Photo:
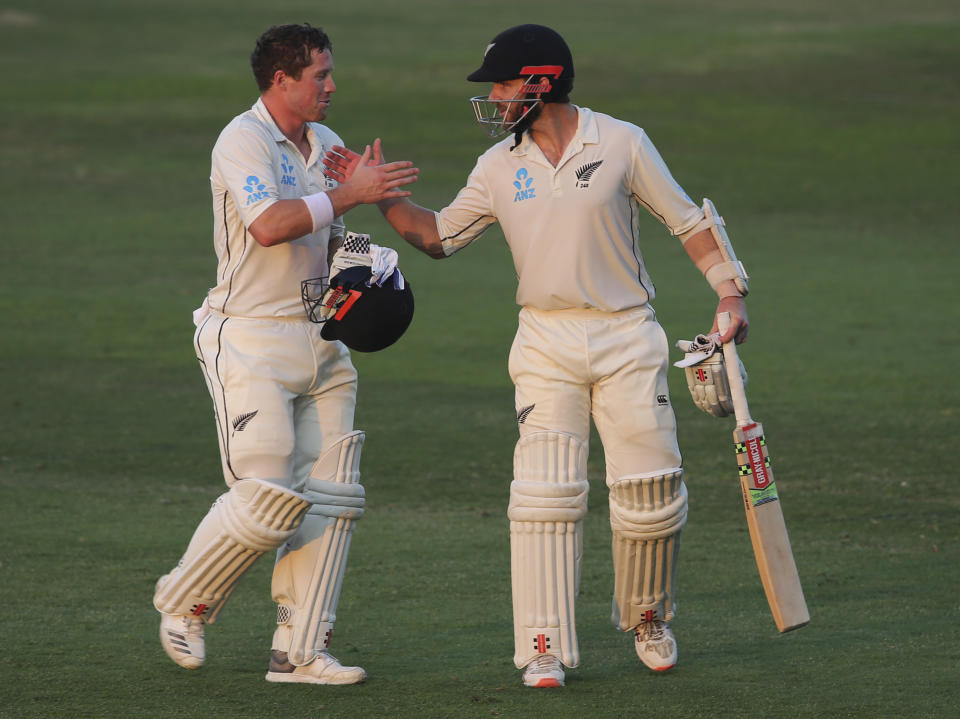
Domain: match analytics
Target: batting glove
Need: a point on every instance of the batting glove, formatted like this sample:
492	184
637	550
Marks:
706	372
357	250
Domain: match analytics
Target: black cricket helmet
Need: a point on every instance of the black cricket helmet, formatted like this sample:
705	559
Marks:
533	52
368	318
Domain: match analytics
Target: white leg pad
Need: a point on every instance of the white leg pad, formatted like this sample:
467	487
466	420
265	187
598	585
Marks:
309	571
647	513
253	518
548	499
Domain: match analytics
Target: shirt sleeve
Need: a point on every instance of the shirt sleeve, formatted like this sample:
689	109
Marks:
654	187
468	216
242	164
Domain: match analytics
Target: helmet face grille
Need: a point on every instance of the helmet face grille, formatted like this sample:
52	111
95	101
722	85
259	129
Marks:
311	294
489	117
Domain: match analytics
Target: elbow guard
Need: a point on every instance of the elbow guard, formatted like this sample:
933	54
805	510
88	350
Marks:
730	268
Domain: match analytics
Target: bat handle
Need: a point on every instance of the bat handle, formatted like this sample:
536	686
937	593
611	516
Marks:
737	391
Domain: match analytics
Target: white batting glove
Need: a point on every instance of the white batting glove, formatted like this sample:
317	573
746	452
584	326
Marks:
698	349
706	373
384	264
357	250
354	252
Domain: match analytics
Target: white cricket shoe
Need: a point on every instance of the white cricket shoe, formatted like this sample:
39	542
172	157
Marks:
544	671
324	669
182	638
655	645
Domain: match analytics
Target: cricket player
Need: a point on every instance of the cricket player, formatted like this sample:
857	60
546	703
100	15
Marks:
566	186
283	396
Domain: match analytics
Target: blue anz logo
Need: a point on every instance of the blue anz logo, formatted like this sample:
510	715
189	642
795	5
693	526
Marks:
255	188
523	184
287	177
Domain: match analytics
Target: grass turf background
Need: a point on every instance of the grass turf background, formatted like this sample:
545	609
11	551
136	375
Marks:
827	135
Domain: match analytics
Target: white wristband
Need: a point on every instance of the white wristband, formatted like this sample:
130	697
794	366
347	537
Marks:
321	209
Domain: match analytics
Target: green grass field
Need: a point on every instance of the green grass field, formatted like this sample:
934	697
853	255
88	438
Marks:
827	134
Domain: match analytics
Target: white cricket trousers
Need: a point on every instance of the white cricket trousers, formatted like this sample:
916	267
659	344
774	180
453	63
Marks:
281	394
569	366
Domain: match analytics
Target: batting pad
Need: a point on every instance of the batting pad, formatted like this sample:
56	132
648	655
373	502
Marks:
548	499
253	518
647	513
309	571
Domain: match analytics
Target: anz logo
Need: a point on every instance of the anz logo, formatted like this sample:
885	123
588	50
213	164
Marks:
256	190
524	185
287	177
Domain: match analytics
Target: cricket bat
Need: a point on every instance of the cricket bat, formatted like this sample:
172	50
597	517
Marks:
768	531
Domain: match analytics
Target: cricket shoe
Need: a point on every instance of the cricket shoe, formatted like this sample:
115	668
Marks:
655	645
182	638
324	669
544	671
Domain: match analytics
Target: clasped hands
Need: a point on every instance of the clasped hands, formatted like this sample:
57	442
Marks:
344	165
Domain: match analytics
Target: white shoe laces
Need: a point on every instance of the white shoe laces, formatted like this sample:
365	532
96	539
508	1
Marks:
650	631
543	663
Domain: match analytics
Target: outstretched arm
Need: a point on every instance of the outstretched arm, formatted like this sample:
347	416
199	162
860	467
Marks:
417	225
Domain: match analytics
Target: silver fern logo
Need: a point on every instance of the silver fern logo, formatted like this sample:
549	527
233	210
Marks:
524	412
241	421
585	172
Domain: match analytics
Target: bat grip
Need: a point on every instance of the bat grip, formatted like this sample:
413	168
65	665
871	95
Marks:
737	391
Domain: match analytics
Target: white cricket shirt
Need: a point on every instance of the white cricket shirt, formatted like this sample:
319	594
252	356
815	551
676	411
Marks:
572	228
254	165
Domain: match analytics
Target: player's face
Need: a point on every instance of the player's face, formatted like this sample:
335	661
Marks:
508	90
309	97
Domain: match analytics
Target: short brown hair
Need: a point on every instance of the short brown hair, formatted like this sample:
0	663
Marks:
287	48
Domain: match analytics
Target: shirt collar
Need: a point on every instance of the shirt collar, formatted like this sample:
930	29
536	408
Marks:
587	130
261	111
587	134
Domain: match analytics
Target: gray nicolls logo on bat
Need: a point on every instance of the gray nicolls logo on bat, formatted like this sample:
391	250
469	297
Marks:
585	172
241	421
